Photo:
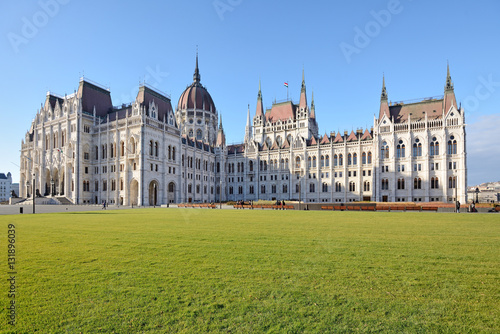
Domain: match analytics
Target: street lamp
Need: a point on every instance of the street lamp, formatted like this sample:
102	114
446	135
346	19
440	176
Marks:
34	192
477	195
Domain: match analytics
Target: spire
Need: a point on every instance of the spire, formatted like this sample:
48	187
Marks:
449	83
303	97
248	115
221	137
384	106
260	107
383	96
196	75
248	128
259	95
449	93
220	121
303	87
313	109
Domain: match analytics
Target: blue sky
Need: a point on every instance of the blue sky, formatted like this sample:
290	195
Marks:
344	48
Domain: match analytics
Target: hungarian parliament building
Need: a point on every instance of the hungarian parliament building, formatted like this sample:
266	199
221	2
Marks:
82	149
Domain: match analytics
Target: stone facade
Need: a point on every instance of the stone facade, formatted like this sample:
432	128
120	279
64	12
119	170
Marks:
84	149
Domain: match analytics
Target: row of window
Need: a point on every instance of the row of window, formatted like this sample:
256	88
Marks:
312	188
198	189
338	160
55	140
417	183
198	164
417	149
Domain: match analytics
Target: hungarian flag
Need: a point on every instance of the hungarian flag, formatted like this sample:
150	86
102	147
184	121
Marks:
286	84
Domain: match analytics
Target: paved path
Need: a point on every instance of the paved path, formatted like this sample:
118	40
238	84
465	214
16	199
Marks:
28	209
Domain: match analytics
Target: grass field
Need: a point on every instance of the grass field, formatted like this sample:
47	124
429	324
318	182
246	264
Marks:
242	271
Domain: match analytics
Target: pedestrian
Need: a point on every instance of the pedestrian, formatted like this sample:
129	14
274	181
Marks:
457	206
103	205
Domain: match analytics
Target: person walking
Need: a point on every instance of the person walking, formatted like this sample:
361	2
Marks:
457	206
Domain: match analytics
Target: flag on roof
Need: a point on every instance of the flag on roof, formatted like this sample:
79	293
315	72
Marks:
286	84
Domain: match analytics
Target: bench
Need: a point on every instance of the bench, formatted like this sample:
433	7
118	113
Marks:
327	208
340	207
430	208
353	208
383	208
412	208
368	208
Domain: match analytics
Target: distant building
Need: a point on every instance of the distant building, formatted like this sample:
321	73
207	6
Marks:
82	148
5	186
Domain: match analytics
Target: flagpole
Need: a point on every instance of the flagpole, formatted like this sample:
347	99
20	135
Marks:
287	90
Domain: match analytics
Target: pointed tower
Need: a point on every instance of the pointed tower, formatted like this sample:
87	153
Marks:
384	105
313	108
196	75
449	92
260	108
221	137
248	127
196	113
303	97
259	119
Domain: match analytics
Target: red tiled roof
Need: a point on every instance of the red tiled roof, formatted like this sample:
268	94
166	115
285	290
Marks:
338	138
352	136
449	100
281	111
325	140
286	144
366	135
221	138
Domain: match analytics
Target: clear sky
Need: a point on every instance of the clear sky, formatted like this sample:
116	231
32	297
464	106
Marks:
344	47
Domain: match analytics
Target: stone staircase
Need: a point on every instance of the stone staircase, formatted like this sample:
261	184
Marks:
64	201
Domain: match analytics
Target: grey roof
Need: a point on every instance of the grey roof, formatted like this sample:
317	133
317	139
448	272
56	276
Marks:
3	177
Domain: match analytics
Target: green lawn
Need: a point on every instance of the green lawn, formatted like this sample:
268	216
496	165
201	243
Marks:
242	271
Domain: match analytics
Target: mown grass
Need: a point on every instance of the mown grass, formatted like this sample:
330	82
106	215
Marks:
241	271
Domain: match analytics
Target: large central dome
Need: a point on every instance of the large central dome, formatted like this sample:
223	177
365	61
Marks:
196	113
196	97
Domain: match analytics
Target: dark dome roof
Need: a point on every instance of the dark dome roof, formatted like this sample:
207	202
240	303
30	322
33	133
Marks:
196	96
